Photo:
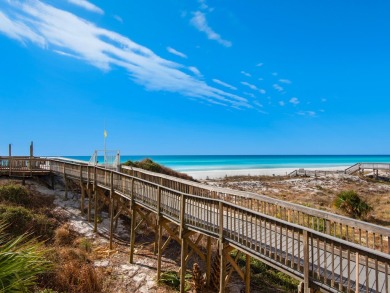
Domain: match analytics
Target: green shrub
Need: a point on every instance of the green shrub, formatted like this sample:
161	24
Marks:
20	220
172	279
15	193
21	261
149	165
350	202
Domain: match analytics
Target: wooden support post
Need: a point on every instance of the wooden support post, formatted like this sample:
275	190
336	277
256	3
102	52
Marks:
159	247
208	261
157	220
82	204
66	186
248	274
112	203
95	210
132	232
222	269
306	261
89	191
183	263
52	180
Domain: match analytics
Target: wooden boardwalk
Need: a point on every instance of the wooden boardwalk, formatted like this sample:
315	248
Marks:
358	167
325	251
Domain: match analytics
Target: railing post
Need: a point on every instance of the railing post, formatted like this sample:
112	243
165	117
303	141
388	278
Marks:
112	202
306	261
96	201
10	159
184	248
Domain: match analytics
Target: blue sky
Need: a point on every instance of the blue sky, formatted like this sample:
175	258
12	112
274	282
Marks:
195	77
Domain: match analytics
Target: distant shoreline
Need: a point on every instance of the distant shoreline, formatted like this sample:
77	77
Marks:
215	174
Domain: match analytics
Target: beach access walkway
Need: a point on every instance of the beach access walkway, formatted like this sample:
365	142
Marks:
323	250
358	167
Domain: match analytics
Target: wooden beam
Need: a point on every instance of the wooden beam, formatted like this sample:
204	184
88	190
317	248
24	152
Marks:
183	263
222	268
234	265
248	274
132	233
112	203
208	261
159	251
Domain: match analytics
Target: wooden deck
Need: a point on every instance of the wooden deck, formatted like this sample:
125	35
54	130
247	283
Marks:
326	251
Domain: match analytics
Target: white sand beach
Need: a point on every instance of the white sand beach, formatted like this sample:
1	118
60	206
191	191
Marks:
214	174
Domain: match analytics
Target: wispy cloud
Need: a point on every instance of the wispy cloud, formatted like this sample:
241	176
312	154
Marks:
200	23
251	86
281	103
87	5
249	94
245	73
217	81
262	91
259	64
274	73
278	87
286	81
118	18
307	113
61	31
294	101
195	71
175	52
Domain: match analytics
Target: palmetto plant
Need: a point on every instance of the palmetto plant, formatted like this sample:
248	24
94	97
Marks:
350	202
21	261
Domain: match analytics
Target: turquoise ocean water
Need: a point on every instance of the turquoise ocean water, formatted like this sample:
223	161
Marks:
236	162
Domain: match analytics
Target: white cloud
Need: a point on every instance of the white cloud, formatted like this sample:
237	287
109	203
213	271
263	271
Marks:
203	4
217	81
259	64
278	87
200	23
281	103
307	113
87	5
294	101
249	94
175	52
262	91
118	18
18	30
251	86
286	81
61	31
258	104
195	71
245	73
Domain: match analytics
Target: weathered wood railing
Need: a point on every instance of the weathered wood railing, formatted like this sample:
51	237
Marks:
352	230
23	166
320	259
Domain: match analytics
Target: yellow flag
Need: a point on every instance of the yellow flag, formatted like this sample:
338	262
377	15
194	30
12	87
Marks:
105	133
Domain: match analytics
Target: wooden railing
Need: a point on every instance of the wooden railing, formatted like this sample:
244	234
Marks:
320	259
352	230
24	166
